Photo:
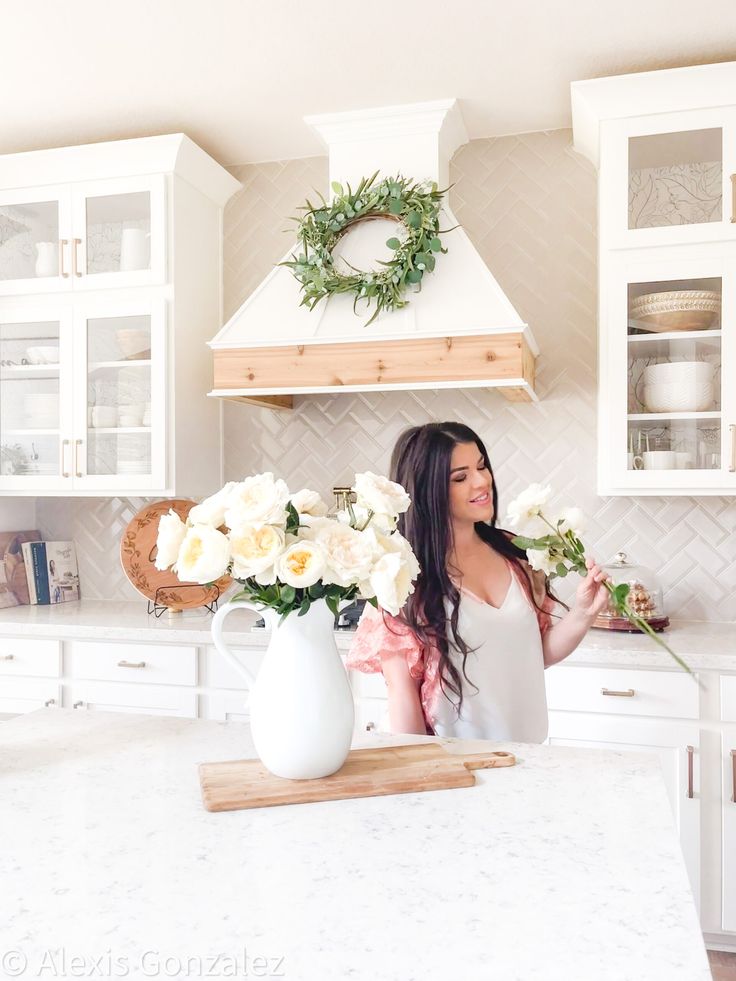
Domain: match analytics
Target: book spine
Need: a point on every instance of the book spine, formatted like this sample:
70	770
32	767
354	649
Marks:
28	564
40	572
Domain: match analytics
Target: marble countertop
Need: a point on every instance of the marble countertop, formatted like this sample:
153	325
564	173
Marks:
520	878
702	644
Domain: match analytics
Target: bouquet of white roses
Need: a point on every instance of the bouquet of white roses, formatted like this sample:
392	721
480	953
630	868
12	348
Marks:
287	553
553	546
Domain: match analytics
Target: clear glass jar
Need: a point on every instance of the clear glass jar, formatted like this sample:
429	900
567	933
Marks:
645	595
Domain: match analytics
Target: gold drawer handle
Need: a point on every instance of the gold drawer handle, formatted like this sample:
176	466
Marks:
690	750
733	197
733	776
49	702
131	664
629	693
7	657
77	705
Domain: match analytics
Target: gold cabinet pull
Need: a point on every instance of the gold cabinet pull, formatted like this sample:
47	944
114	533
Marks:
732	430
64	444
77	444
7	657
733	776
62	243
49	702
733	197
77	705
629	693
690	751
370	726
75	243
131	664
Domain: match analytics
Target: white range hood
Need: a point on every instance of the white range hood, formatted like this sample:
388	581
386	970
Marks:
459	331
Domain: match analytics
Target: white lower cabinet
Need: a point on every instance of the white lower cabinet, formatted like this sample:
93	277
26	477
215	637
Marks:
19	695
677	745
728	838
149	699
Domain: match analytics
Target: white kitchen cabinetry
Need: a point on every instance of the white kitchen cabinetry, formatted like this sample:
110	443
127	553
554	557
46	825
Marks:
665	148
110	287
728	801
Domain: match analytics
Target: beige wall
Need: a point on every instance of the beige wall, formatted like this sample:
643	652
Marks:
528	204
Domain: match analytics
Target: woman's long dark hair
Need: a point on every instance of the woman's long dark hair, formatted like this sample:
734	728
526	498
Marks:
421	464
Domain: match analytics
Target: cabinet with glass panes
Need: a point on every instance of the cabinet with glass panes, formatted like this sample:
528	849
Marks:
666	152
105	315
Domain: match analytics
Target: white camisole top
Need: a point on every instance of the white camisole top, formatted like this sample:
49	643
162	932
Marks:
506	664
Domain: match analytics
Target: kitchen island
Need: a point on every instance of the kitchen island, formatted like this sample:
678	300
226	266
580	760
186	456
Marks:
566	866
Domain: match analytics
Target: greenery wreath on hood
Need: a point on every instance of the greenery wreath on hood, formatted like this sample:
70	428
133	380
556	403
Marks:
416	209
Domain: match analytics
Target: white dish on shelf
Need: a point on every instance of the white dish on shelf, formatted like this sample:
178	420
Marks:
678	397
679	373
43	355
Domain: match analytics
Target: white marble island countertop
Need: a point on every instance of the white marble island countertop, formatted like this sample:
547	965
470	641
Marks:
565	867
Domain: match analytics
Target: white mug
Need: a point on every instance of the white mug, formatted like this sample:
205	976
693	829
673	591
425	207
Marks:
684	461
633	462
657	460
134	249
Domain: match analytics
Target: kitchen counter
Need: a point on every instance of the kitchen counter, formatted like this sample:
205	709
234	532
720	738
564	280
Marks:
562	868
703	645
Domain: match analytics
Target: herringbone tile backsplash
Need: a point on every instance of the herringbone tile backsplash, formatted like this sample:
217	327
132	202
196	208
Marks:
528	204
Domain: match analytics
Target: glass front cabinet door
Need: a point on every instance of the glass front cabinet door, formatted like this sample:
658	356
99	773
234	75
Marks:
90	235
669	179
667	410
83	399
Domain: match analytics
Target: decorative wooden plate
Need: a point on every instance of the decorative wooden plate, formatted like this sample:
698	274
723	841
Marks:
138	553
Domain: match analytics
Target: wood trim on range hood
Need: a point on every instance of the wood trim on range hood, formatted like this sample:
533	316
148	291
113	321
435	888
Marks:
271	375
459	331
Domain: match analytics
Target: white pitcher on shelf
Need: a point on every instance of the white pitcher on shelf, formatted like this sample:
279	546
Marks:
47	259
134	249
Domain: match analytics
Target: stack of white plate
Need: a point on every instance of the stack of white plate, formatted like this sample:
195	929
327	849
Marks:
41	411
133	466
679	386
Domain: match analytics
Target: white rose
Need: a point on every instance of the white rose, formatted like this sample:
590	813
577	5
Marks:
309	502
171	532
212	509
258	500
302	564
523	512
255	548
379	494
541	560
572	520
349	553
391	582
204	555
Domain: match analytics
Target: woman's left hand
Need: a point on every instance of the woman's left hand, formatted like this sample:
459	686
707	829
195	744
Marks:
591	595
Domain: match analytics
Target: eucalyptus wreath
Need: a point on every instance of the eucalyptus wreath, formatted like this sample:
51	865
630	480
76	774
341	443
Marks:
414	206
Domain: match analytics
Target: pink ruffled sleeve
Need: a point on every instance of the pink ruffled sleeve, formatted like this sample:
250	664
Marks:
379	636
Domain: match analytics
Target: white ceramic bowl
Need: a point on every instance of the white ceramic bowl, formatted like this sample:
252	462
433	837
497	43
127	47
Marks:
43	355
679	372
676	397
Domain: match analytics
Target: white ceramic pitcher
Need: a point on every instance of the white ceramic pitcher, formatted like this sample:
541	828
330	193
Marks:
301	705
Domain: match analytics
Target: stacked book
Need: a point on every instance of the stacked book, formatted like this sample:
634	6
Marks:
51	572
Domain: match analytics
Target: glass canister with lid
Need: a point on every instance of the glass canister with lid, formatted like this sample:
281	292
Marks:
645	596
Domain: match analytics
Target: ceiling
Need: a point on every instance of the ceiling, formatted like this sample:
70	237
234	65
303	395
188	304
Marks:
238	76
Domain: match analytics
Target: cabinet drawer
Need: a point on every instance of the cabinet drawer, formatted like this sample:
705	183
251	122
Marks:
219	674
368	685
146	699
19	695
656	693
226	706
147	663
371	715
34	658
728	698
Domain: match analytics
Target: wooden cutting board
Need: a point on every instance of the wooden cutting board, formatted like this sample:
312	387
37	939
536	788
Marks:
239	784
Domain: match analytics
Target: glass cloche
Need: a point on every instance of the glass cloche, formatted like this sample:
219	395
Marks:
645	596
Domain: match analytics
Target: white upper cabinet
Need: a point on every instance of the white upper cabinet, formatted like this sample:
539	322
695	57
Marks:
665	148
110	288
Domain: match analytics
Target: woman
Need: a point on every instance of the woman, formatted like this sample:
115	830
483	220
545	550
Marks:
466	657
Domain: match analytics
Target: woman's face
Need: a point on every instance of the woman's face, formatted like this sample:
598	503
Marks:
470	485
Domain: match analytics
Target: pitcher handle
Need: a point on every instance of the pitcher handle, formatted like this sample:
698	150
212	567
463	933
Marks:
217	625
